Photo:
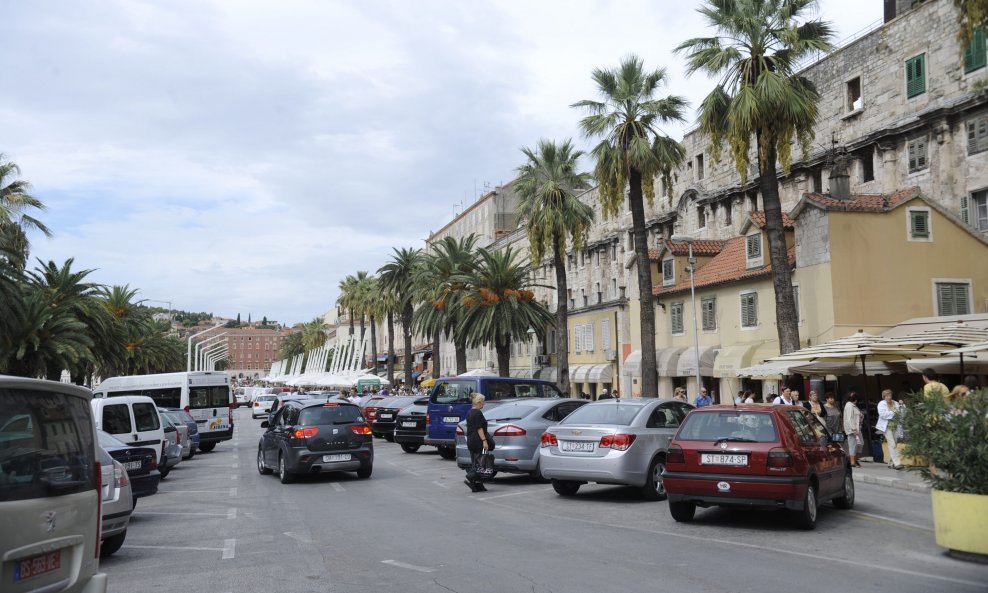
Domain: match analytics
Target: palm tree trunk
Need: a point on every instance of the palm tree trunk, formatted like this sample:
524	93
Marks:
787	319
502	346
373	326
461	354
363	331
351	322
650	378
562	312
406	322
436	370
391	348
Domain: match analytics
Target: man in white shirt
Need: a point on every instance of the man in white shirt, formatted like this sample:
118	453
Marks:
784	399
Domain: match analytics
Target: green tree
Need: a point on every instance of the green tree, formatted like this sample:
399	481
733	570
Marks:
553	215
369	303
45	337
16	219
973	16
347	301
760	96
498	306
398	279
633	151
291	346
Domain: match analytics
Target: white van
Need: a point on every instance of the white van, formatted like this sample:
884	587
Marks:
132	419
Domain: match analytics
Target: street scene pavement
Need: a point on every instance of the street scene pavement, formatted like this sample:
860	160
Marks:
217	525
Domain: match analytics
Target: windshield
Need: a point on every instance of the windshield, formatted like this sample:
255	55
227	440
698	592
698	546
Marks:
323	415
508	412
621	415
217	396
756	427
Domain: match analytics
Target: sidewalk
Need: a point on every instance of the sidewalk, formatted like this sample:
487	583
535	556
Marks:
881	475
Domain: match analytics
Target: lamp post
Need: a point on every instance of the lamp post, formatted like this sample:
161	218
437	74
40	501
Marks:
188	364
531	359
169	303
206	352
203	344
214	357
696	331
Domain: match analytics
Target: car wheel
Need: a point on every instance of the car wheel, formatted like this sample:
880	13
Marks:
133	503
192	453
655	488
847	500
390	438
111	544
284	475
447	452
806	518
565	487
365	472
536	473
261	468
409	448
682	511
207	447
163	468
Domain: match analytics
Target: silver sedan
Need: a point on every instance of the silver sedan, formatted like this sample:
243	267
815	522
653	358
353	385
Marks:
517	427
612	442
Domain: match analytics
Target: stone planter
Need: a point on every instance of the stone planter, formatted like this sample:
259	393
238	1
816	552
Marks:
906	460
961	522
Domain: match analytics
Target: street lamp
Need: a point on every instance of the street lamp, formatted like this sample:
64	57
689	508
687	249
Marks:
188	364
696	333
531	360
202	344
203	356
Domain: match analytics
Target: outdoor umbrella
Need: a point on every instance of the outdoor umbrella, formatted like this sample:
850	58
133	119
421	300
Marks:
944	338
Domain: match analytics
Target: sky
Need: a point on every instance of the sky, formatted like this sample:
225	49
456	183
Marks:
243	157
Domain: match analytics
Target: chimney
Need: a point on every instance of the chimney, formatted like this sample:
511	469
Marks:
889	10
840	181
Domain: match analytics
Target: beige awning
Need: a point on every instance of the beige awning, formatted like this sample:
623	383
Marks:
732	358
578	373
633	364
547	373
600	373
687	361
667	360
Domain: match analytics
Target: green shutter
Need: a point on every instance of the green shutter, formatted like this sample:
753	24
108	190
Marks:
919	224
916	76
965	210
975	55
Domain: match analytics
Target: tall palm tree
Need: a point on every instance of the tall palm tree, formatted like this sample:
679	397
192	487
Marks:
11	276
128	318
633	151
497	305
371	306
348	297
16	204
389	308
760	96
314	335
449	259
398	279
44	338
553	215
291	346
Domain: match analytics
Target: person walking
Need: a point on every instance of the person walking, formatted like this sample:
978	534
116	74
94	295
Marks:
833	419
478	440
888	410
749	397
604	395
703	399
932	386
852	428
817	408
785	399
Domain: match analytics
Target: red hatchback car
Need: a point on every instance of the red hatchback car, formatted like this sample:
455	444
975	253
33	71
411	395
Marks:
756	456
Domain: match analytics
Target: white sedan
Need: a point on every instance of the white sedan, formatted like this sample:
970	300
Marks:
262	405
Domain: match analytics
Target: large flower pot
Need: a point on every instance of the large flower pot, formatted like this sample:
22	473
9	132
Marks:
961	521
905	459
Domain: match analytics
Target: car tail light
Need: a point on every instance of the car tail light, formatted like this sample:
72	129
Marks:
779	457
619	442
675	454
305	433
120	474
330	405
459	431
257	404
549	440
510	430
427	419
187	408
153	464
360	429
98	471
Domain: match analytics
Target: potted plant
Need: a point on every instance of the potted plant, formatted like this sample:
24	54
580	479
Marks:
952	437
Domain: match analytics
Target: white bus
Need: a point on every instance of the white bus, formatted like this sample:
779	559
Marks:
203	394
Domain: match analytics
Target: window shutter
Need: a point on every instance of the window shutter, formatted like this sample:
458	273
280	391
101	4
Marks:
965	209
916	76
961	304
605	334
974	55
754	246
578	338
588	338
920	224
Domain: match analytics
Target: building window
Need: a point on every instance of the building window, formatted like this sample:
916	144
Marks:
708	307
578	338
583	293
676	318
753	249
614	290
588	337
974	55
749	309
552	342
977	135
668	272
916	76
817	181
600	295
917	154
867	166
854	100
701	217
605	334
974	209
728	206
953	298
699	166
919	224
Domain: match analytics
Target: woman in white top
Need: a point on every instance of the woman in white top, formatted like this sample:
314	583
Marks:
852	428
887	423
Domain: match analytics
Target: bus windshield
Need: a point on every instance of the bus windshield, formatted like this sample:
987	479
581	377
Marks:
214	396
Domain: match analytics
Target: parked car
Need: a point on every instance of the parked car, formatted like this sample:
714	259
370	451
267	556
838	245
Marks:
410	425
757	456
241	396
50	488
612	442
185	432
386	415
262	405
177	416
118	504
133	419
517	427
140	462
171	447
312	436
279	401
368	405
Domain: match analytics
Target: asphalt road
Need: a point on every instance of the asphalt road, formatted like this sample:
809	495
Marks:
218	526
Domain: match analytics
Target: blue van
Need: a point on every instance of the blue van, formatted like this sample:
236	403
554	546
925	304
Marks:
449	403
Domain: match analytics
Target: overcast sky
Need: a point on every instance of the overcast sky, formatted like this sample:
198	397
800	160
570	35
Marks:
240	156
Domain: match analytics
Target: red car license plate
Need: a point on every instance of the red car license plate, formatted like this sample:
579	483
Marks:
37	565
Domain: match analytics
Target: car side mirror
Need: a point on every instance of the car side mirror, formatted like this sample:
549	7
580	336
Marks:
264	424
838	437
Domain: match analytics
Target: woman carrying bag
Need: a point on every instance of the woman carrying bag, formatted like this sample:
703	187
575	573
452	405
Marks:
479	441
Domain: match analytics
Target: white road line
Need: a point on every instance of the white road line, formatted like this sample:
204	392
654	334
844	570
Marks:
229	547
888	520
181	513
233	477
338	487
408	566
233	492
298	537
194	491
440	484
231	514
191	548
516	493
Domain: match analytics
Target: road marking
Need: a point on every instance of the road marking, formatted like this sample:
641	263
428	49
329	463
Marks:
229	547
508	494
235	465
233	477
408	566
297	537
440	484
233	492
182	513
231	514
894	521
338	487
192	548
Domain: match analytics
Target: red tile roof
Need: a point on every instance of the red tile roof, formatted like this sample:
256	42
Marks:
730	265
863	202
701	248
758	217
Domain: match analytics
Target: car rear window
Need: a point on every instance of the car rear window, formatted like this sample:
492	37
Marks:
453	392
323	415
46	445
266	398
108	441
146	417
621	415
116	419
217	396
758	427
509	412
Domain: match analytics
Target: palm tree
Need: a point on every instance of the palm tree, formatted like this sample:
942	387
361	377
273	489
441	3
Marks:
760	95
291	346
498	306
348	297
15	205
553	214
398	279
371	305
44	338
449	259
128	320
389	308
632	153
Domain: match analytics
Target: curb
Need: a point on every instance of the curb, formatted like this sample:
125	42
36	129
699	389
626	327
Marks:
892	483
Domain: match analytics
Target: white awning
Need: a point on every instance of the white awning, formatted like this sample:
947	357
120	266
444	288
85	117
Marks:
633	364
732	358
667	360
687	361
578	373
521	373
600	373
547	373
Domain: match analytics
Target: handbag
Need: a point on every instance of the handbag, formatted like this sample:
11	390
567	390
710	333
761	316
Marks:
484	468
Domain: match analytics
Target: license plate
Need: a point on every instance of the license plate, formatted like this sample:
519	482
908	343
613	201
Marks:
132	465
584	446
408	424
37	565
385	416
338	457
451	419
723	459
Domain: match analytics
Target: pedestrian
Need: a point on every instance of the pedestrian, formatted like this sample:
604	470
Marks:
816	407
749	397
680	394
888	421
833	419
971	382
852	428
959	392
703	399
604	395
932	385
785	399
617	394
479	441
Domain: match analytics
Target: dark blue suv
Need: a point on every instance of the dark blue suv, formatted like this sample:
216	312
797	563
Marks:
449	403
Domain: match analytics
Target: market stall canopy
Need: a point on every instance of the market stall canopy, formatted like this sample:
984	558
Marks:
769	369
428	382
